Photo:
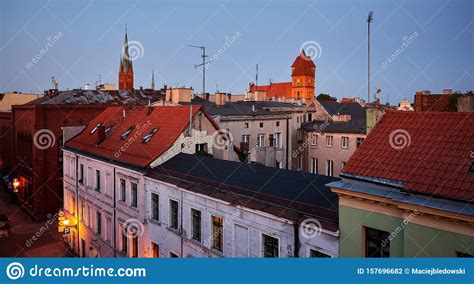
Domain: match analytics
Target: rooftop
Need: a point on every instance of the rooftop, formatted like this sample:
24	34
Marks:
99	97
421	152
355	110
245	108
358	127
132	136
283	193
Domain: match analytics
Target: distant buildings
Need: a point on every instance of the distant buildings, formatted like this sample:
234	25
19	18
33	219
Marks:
326	144
447	101
408	190
405	105
302	87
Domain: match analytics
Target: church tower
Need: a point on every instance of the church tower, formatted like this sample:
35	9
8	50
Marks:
126	68
303	78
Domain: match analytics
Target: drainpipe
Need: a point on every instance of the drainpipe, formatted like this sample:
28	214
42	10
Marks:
77	201
115	217
181	222
296	233
287	141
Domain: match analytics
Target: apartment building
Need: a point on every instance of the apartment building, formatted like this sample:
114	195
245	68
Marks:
204	207
104	166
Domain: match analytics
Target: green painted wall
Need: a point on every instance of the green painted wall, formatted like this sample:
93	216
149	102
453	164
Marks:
411	240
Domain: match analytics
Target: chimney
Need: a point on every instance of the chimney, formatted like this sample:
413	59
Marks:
447	91
220	99
100	134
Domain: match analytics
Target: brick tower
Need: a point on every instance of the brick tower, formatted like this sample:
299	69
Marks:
126	68
303	78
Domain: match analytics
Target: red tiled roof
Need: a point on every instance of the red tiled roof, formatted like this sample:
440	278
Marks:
303	65
170	121
436	160
274	90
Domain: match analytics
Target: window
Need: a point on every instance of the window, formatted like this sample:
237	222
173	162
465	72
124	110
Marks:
299	162
270	246
316	253
343	164
377	243
108	128
278	140
147	137
310	116
81	173
155	207
463	254
359	141
127	132
246	125
329	139
124	238
277	123
299	135
155	250
173	255
135	246
345	142
201	149
134	192
123	190
217	233
97	180
98	222
260	140
196	224
95	128
314	139
174	214
329	168
261	124
246	138
108	229
314	165
83	210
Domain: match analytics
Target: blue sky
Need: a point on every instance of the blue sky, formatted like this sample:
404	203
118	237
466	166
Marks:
89	37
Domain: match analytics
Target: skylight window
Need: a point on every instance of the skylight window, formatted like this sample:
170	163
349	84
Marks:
95	128
147	137
108	128
126	133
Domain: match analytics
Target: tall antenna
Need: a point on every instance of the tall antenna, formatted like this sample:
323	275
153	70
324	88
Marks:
203	64
152	79
256	77
369	20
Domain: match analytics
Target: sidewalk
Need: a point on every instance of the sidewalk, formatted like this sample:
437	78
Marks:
27	238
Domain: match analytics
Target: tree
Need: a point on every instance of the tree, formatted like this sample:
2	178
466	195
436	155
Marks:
325	97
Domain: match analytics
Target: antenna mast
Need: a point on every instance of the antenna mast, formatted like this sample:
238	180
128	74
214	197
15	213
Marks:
369	20
256	77
203	64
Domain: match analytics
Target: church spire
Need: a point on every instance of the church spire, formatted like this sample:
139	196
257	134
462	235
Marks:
126	67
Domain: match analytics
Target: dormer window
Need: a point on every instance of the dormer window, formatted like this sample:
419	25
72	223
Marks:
95	128
126	133
147	137
108	128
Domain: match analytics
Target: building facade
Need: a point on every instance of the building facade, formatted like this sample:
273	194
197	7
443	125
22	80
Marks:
401	195
104	166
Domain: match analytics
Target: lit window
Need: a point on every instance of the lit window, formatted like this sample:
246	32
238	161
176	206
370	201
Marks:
126	133
147	137
95	128
217	233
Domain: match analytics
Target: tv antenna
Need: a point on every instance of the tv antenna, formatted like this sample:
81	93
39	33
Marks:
369	20
203	65
55	83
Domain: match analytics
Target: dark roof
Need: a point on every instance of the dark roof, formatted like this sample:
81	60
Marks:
107	142
356	111
100	97
422	152
244	107
281	192
358	127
